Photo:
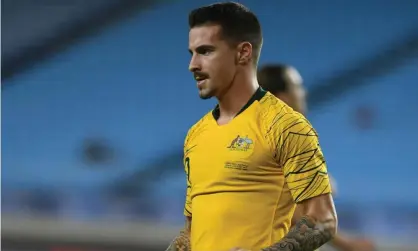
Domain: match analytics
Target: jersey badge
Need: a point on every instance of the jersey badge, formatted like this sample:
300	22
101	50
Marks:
241	144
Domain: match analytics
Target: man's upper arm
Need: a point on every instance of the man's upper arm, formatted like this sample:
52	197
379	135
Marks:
307	177
302	159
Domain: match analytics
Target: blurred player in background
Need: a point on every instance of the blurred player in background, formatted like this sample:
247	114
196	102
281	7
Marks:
252	158
286	83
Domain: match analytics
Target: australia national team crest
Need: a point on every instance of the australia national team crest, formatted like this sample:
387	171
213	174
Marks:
241	144
241	148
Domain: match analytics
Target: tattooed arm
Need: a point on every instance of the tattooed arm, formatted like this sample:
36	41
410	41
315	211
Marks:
341	241
298	152
316	227
182	241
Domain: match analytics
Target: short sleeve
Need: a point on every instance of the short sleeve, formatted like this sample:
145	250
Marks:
299	154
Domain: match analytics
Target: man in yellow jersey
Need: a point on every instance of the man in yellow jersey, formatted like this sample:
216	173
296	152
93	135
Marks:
251	159
286	83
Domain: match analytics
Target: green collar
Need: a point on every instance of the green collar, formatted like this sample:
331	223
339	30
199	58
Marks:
258	95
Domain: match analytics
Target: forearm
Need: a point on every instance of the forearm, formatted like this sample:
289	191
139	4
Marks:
181	242
306	235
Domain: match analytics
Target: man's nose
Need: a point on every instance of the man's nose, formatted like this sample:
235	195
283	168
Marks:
194	64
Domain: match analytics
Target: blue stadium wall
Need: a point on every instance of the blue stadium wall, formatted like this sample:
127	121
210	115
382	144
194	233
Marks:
130	84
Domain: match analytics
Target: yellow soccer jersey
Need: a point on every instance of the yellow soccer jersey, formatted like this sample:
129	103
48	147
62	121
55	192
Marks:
244	178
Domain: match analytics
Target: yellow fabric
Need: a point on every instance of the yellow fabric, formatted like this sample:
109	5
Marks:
244	178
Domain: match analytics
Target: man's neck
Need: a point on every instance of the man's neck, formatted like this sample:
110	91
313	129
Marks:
240	92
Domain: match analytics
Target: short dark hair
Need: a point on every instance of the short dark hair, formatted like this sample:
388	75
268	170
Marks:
271	78
238	23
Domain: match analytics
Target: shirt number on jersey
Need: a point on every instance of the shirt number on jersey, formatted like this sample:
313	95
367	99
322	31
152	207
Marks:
187	168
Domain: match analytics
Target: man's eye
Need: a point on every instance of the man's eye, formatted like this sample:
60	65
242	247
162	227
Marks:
206	52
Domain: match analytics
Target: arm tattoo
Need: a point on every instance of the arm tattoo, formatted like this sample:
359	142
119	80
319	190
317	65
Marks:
306	235
180	243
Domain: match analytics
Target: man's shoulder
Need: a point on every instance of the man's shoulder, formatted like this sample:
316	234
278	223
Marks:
197	127
275	113
271	104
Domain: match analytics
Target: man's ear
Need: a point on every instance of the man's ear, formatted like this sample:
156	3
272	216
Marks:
245	53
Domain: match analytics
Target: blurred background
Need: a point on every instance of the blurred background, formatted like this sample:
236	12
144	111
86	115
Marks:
97	99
